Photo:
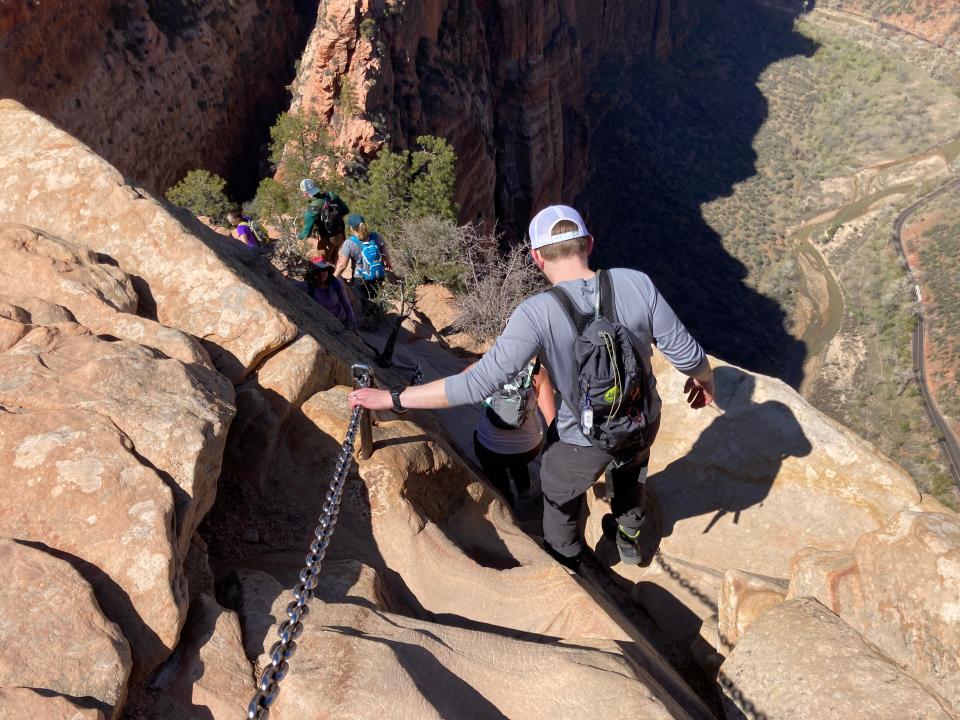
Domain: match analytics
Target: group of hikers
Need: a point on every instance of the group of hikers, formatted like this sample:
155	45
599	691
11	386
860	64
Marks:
587	343
330	230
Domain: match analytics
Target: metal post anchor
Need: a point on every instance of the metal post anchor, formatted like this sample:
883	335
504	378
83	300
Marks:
363	372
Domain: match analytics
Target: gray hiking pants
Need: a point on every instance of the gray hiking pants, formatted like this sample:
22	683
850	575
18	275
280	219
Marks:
568	471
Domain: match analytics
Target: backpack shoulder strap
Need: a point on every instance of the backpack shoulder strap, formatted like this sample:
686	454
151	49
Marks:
578	319
608	298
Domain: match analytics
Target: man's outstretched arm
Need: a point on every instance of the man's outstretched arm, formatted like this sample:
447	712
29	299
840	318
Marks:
682	350
431	396
509	354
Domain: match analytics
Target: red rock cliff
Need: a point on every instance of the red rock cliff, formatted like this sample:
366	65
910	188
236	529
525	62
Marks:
504	80
157	87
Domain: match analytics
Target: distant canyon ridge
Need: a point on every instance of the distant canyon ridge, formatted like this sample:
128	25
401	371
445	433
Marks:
159	87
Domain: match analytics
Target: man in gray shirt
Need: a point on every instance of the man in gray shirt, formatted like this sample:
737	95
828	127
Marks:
560	247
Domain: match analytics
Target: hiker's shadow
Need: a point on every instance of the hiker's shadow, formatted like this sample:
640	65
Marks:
733	464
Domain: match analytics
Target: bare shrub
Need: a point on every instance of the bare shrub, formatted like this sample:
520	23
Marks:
289	255
495	283
430	249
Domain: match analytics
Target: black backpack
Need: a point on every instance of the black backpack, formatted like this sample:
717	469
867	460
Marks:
328	217
507	408
331	218
611	395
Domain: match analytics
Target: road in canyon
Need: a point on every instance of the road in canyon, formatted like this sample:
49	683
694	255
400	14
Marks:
946	439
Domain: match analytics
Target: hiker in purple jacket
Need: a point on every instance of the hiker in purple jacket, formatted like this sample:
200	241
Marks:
242	230
329	292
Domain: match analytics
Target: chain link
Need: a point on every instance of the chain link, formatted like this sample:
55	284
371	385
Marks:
292	628
417	377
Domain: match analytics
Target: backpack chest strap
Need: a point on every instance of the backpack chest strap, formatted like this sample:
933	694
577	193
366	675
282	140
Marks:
580	320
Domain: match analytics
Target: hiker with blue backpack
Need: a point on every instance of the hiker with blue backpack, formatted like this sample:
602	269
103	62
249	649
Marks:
367	255
595	331
510	430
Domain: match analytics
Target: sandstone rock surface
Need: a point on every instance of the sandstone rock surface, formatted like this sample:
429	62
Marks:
208	675
175	416
37	264
86	654
120	447
266	400
353	659
53	182
103	511
801	661
747	484
19	703
900	588
743	599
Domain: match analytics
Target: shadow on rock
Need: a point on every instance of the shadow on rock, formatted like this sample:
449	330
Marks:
448	694
733	463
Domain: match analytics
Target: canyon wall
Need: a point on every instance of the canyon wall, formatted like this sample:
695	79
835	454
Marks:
505	82
157	87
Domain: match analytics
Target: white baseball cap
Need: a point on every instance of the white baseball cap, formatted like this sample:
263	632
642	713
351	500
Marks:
309	187
547	219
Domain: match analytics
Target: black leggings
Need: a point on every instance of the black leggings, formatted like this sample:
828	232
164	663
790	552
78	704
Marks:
499	468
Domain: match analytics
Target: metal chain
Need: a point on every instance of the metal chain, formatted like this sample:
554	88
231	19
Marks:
292	628
417	377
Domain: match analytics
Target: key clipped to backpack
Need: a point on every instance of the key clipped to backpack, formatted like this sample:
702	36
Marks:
611	381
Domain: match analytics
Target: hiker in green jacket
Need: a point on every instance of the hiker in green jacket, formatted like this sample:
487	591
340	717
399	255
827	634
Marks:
322	220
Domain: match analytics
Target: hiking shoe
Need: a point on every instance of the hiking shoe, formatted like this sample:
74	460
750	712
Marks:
571	563
628	544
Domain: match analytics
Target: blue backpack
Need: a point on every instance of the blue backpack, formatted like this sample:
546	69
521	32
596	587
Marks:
371	267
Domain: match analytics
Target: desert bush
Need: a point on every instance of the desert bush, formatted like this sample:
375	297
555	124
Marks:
401	185
347	99
202	193
495	283
368	27
431	249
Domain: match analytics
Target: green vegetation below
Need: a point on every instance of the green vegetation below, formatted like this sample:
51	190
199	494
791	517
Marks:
703	167
867	381
939	268
734	139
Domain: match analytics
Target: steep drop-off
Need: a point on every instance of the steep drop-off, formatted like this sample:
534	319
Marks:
505	82
155	375
158	87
